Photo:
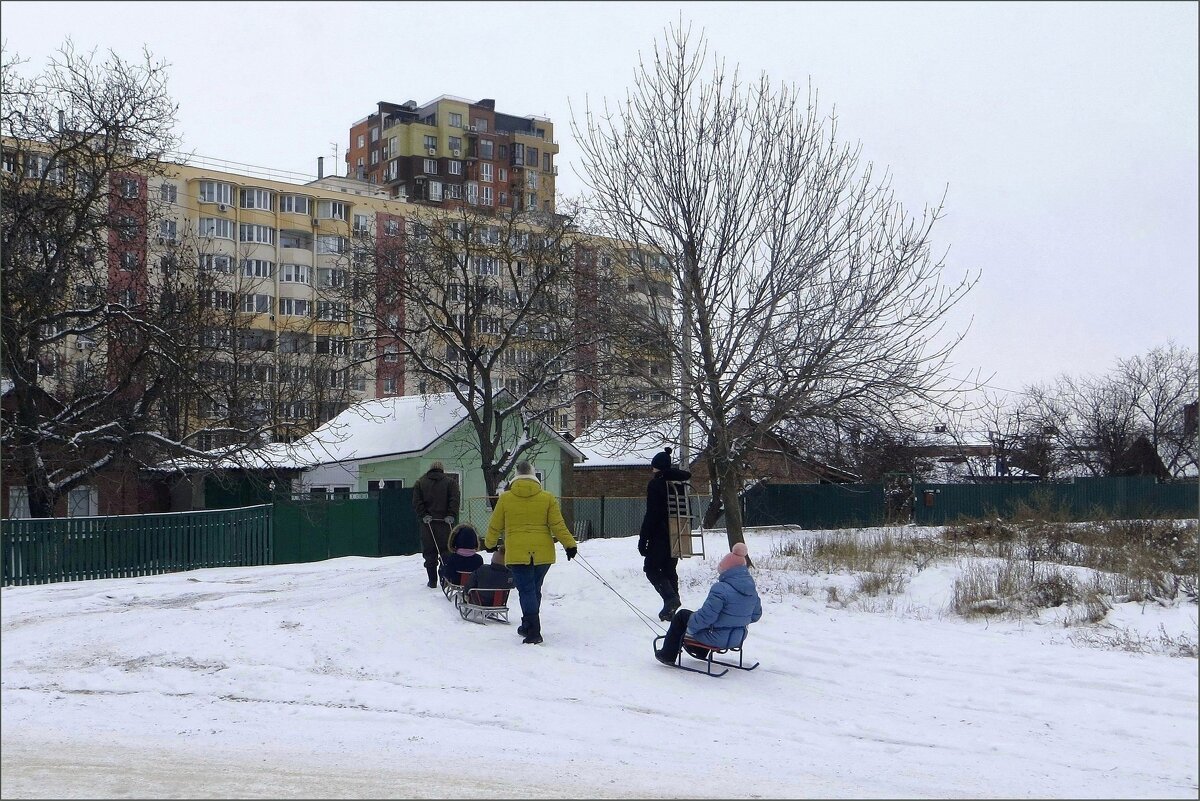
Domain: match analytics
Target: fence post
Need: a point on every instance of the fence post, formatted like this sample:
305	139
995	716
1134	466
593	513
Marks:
603	533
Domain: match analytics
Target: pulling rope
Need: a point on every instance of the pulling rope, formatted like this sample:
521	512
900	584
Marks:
648	621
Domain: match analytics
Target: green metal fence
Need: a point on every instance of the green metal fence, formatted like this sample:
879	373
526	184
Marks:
309	529
46	550
814	505
1081	499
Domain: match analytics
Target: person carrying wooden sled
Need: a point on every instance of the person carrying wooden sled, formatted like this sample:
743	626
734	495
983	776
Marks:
654	541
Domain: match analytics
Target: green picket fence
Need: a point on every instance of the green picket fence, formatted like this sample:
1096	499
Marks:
44	550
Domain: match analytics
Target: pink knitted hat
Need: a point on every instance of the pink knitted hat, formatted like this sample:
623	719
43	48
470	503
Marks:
736	557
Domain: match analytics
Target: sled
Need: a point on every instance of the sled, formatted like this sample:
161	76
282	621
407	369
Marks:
481	605
679	522
707	654
451	589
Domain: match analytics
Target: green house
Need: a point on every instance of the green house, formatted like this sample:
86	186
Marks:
391	442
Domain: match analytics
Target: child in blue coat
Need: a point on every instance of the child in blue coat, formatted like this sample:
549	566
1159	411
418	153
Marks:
731	606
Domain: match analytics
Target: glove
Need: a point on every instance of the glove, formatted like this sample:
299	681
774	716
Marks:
571	553
426	519
644	547
450	520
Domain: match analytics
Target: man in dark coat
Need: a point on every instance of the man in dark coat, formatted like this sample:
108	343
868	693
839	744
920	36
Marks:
436	501
654	542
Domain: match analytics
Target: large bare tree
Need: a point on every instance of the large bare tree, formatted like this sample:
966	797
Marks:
484	305
804	289
103	333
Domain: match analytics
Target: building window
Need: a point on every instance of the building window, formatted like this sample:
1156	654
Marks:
430	166
329	310
435	190
331	277
261	234
216	227
129	261
295	307
216	263
546	162
168	193
255	303
503	175
127	228
455	120
455	144
454	191
257	199
258	268
361	223
167	230
216	192
472	192
389	385
331	210
486	198
454	167
294	204
293	274
18	503
362	141
532	156
391	353
217	299
430	142
391	228
83	502
485	173
129	188
374	156
374	134
334	346
332	244
487	265
487	149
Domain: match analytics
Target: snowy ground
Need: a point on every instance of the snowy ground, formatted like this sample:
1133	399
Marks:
350	678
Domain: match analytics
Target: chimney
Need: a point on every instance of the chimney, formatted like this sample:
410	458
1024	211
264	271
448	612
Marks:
320	167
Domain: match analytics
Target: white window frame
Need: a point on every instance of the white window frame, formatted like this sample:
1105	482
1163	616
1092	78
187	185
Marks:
295	204
215	227
258	234
454	167
258	268
18	503
257	303
262	199
295	274
331	210
295	307
83	502
215	192
331	243
430	166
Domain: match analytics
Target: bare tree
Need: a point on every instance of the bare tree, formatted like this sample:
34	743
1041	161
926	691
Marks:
805	290
484	306
1162	383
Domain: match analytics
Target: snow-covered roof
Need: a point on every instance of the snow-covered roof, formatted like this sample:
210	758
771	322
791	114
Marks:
602	449
373	429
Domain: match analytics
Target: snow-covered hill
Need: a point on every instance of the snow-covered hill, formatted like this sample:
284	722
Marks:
350	678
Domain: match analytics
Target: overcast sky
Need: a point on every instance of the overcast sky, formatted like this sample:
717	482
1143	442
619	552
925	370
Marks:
1064	134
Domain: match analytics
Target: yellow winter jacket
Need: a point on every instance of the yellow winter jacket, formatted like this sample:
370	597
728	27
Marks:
530	519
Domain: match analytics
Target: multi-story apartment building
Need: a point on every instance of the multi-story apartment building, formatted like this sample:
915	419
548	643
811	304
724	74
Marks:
451	150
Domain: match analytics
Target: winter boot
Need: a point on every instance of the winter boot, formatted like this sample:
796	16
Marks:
521	629
432	571
670	600
533	630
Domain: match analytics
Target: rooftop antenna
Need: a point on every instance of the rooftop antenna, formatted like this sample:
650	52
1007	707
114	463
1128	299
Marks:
335	152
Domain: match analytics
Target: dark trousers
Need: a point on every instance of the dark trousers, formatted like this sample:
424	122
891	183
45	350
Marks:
674	639
660	570
528	581
435	537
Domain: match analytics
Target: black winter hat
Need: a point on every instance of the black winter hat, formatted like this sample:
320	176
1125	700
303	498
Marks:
662	459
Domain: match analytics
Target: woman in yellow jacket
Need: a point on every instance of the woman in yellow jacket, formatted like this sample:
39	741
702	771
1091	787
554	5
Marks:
530	519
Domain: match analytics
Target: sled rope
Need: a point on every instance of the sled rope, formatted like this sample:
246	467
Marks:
648	621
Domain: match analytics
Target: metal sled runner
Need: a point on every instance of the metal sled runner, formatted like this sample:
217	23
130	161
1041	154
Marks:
480	606
706	654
